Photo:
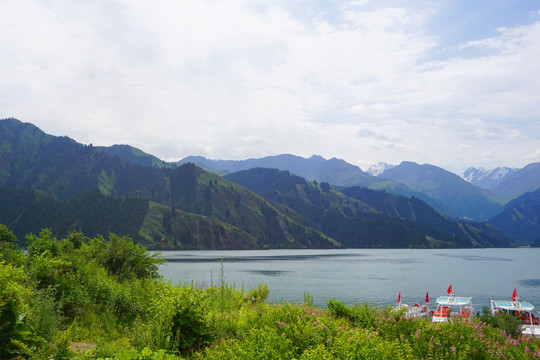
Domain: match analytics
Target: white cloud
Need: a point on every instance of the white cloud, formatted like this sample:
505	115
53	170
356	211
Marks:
238	79
533	157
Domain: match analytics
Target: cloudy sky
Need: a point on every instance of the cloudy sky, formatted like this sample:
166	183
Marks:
454	83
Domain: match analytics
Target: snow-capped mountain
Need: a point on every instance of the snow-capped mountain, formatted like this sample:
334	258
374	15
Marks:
487	178
378	168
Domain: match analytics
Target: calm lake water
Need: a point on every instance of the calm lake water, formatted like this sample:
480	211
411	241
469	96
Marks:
359	275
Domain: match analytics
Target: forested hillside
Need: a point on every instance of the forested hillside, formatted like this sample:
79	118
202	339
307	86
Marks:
64	169
69	186
520	218
359	217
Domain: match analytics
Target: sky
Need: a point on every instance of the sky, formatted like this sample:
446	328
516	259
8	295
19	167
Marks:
453	83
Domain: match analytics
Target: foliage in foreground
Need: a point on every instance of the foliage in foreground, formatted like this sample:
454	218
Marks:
103	299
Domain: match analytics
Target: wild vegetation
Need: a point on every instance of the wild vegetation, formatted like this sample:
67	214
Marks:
103	298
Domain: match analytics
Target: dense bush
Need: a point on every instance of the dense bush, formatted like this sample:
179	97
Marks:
501	320
9	250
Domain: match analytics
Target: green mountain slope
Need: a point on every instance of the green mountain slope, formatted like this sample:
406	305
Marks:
92	213
188	207
416	210
135	155
191	189
520	218
360	222
64	169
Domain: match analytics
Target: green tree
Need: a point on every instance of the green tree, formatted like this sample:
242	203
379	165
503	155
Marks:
44	242
6	235
10	252
124	259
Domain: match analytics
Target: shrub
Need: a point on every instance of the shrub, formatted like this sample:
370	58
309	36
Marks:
339	309
17	337
259	294
13	286
178	320
10	252
361	315
501	320
124	259
45	314
45	242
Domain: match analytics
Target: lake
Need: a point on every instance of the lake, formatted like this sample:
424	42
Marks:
365	275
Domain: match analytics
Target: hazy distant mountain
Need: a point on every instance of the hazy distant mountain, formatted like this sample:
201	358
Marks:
461	198
378	168
335	171
520	218
135	155
316	168
519	182
487	178
503	183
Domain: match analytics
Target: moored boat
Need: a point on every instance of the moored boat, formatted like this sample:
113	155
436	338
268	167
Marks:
523	310
412	311
451	307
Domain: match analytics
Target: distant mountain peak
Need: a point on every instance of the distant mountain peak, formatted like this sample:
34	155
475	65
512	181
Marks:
461	198
487	177
378	168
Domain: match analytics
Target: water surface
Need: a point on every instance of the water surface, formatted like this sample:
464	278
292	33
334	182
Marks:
360	275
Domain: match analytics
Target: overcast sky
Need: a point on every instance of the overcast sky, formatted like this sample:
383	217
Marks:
454	83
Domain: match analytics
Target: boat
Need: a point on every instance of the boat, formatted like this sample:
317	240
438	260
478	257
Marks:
522	310
451	307
412	311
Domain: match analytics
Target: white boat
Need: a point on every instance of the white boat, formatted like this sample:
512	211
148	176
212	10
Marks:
452	307
522	310
412	311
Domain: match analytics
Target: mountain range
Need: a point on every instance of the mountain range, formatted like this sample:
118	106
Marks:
458	197
487	178
199	203
445	191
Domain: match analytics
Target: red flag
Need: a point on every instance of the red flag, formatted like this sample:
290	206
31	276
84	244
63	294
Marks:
399	297
427	297
514	295
449	291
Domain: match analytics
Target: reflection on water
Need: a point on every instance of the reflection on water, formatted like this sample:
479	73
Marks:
269	272
476	257
360	275
377	278
251	258
530	282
